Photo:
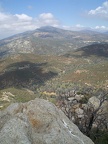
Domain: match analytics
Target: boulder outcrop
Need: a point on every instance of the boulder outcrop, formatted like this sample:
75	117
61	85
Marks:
38	122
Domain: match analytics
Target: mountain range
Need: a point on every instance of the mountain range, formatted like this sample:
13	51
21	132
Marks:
50	41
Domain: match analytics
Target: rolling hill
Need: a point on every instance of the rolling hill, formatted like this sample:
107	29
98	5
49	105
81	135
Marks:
51	60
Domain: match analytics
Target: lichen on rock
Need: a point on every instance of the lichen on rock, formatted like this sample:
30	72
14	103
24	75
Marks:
38	122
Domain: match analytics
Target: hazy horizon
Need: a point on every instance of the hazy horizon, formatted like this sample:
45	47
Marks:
20	16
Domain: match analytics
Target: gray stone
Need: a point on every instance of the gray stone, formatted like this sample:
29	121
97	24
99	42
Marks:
94	102
79	112
38	122
79	97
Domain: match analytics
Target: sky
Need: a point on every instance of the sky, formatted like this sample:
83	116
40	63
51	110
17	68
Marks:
17	16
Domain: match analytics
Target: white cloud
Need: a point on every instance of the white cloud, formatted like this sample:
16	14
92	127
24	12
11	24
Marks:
79	26
101	28
101	11
4	16
76	27
13	24
48	19
46	16
23	17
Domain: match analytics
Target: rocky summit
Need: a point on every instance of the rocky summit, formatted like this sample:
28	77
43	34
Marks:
38	122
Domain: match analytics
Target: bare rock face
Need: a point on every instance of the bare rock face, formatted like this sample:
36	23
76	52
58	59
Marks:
38	122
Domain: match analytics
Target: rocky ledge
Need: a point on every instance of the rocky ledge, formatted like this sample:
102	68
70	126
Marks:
38	122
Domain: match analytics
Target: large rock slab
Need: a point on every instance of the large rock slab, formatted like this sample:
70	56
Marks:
38	122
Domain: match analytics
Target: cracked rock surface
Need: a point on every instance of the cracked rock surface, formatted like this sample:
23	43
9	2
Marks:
38	122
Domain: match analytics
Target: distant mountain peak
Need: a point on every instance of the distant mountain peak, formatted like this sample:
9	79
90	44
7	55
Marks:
49	29
49	40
